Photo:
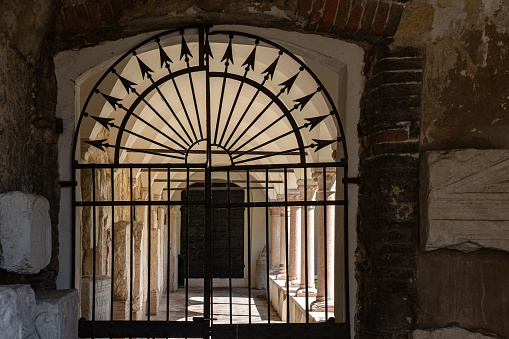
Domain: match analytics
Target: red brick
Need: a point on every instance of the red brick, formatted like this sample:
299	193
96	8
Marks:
71	19
354	19
329	15
381	15
81	13
367	17
342	16
93	13
316	15
394	19
118	8
391	135
105	10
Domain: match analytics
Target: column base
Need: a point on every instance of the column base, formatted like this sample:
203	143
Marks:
301	292
319	306
281	276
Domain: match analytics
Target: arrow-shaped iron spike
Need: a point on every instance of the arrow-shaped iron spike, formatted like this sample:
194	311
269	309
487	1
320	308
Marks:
128	84
287	85
208	51
228	54
165	59
313	122
145	70
111	100
272	68
250	61
105	122
184	51
97	143
304	100
324	143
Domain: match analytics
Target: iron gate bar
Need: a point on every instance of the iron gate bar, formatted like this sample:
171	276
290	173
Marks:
306	249
94	241
132	214
143	329
112	183
287	254
267	243
213	205
281	331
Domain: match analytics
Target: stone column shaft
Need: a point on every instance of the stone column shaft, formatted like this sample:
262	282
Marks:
307	241
294	253
276	240
325	244
282	240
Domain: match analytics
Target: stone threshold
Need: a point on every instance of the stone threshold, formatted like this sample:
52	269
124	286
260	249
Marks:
278	294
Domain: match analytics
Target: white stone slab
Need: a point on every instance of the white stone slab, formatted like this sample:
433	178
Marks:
25	232
17	309
465	200
102	297
447	333
57	314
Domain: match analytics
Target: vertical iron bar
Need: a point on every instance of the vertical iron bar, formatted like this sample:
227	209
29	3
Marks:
208	190
112	237
187	244
73	232
131	212
168	248
149	240
306	249
345	242
286	248
94	234
229	244
267	241
248	245
324	178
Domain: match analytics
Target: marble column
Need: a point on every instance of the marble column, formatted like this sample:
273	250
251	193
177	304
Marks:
294	253
308	226
282	239
275	245
325	224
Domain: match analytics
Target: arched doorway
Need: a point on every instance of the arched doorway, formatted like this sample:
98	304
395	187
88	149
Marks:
199	104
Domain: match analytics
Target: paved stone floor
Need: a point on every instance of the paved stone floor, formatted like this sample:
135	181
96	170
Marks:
221	306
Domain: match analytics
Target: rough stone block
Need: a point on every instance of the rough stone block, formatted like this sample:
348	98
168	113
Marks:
102	297
447	333
465	200
25	232
17	310
57	314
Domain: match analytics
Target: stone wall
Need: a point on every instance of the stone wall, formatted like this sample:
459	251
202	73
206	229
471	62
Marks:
388	202
28	127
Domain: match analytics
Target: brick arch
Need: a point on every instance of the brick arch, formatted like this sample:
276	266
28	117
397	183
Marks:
87	22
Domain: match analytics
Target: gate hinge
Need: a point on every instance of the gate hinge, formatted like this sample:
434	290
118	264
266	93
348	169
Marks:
356	180
68	183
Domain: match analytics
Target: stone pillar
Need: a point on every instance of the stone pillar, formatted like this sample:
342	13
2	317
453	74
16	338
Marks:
294	254
325	223
174	241
282	240
275	213
121	275
309	225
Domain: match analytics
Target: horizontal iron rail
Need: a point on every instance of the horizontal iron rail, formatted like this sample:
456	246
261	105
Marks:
215	169
212	205
143	329
283	331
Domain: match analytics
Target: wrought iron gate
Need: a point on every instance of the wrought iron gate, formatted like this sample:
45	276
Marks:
202	105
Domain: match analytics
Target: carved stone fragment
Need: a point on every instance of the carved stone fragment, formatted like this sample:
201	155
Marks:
465	200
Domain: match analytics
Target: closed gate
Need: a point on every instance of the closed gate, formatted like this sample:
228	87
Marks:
206	161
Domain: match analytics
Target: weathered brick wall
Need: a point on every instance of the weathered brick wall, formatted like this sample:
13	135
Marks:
388	201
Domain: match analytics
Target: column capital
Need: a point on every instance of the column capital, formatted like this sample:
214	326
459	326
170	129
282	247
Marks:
274	210
293	194
312	187
330	177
